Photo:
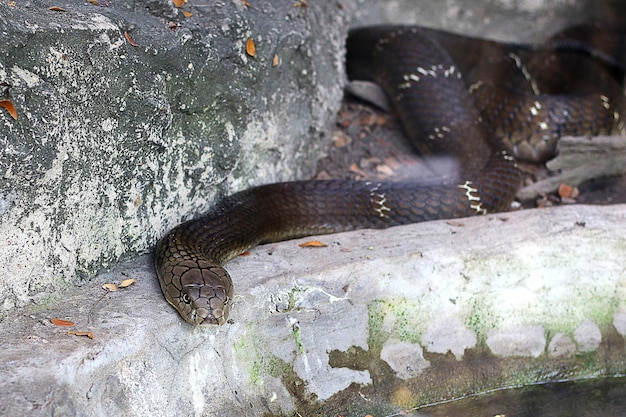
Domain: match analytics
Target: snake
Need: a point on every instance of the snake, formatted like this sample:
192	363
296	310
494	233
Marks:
485	103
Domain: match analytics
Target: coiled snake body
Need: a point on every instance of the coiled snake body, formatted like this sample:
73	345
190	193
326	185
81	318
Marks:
469	98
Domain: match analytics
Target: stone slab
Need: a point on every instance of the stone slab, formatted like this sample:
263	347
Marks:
522	291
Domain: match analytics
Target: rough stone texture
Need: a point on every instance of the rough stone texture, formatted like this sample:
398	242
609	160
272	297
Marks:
619	321
115	144
561	345
521	340
405	358
509	20
588	336
313	324
448	334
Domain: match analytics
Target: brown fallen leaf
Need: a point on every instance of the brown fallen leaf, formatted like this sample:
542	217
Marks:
250	48
127	283
245	3
313	244
56	9
567	191
187	14
88	334
8	105
110	287
276	60
455	223
179	3
61	322
246	253
130	40
356	170
94	2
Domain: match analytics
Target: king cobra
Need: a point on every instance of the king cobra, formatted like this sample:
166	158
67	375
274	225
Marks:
482	102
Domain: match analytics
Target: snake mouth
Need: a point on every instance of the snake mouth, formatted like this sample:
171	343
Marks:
207	317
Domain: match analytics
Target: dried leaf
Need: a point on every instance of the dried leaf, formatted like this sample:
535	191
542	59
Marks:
455	223
127	283
8	105
88	334
313	244
130	40
275	60
246	253
94	2
567	191
61	322
356	170
110	287
250	48
245	3
187	14
56	9
179	3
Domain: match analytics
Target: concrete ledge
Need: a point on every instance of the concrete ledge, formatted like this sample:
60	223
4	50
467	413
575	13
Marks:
404	316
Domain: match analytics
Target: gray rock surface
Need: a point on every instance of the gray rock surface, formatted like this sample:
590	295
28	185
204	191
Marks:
115	144
360	319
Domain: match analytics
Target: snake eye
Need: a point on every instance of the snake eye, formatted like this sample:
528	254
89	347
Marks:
185	298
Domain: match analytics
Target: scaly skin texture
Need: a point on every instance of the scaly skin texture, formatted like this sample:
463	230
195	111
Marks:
480	122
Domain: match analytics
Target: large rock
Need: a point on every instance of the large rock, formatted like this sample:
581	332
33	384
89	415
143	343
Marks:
367	325
114	143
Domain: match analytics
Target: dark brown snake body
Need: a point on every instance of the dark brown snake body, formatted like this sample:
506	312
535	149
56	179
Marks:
470	98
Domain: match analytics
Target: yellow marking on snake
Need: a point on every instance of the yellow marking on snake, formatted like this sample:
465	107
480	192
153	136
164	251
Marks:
474	200
379	199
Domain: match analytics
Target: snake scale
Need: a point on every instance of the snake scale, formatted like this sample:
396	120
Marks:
483	102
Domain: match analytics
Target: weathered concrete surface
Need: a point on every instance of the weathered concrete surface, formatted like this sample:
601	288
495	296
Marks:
114	144
509	20
369	324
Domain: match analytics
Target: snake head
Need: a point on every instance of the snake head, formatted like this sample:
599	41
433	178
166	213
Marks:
203	305
200	291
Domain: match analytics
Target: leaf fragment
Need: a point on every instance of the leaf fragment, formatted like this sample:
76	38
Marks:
276	60
568	191
88	334
8	105
250	48
179	3
56	9
187	14
127	283
313	244
130	40
61	322
94	2
110	287
455	223
245	3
